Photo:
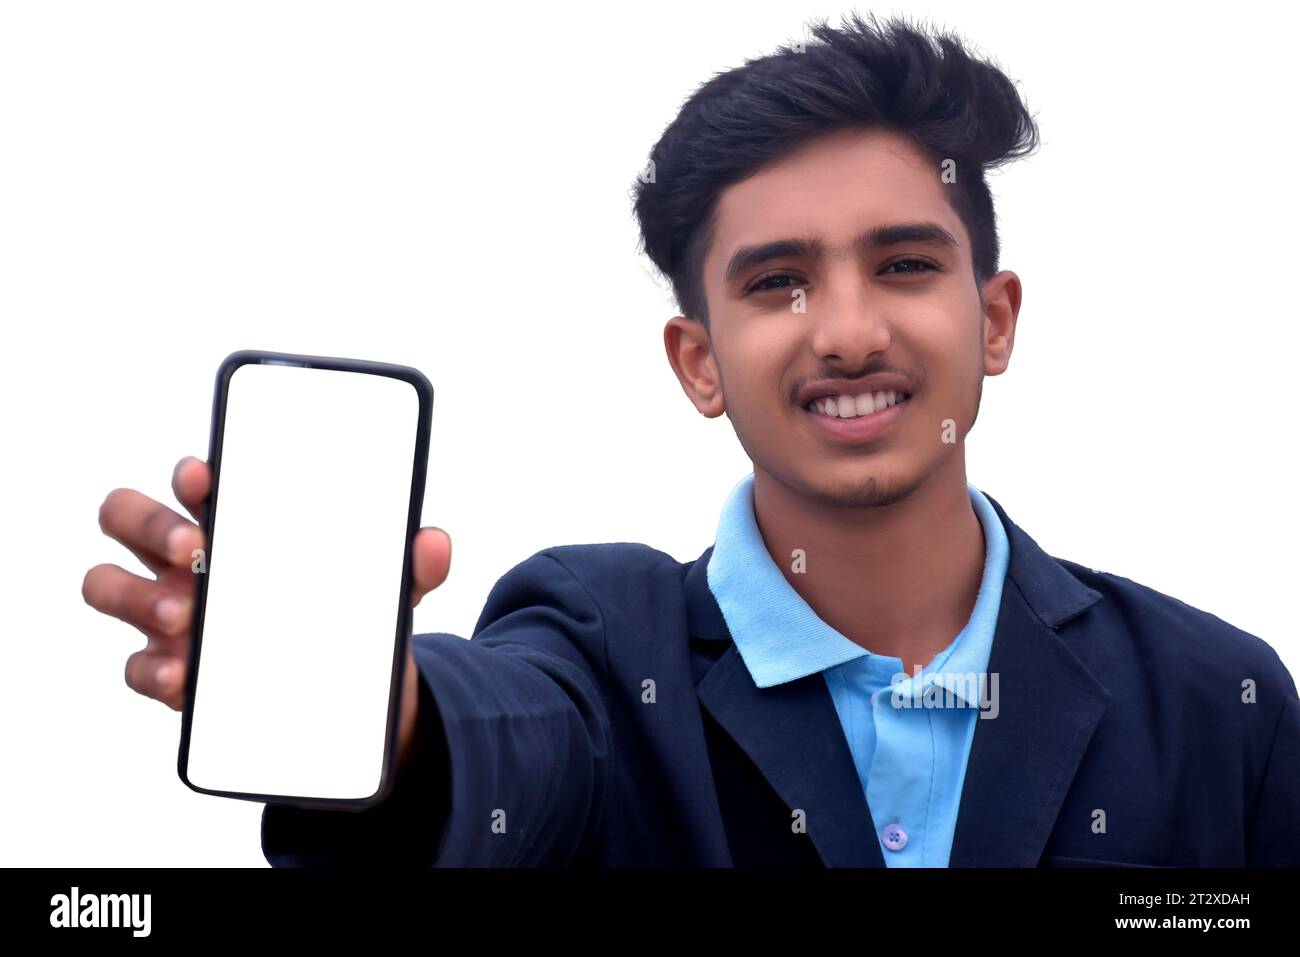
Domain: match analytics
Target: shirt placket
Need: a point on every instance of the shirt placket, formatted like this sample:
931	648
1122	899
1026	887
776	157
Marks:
901	778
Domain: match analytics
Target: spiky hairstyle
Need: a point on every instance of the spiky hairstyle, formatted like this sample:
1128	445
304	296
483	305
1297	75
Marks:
864	74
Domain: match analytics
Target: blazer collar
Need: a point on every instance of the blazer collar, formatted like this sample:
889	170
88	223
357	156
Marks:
1047	706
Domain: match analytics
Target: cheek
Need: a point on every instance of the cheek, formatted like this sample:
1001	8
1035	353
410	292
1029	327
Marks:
754	371
956	385
951	353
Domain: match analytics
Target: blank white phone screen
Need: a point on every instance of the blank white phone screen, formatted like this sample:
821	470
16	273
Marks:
304	583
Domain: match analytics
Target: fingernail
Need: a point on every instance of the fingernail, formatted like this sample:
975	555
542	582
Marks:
177	552
169	612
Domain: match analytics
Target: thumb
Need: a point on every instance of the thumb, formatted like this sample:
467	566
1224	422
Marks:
430	561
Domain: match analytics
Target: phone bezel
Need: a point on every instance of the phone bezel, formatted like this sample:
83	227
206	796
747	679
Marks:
419	468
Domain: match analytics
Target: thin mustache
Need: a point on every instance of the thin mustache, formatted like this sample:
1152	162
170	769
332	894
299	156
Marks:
916	380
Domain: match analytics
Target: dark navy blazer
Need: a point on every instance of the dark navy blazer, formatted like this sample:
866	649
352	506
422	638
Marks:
601	716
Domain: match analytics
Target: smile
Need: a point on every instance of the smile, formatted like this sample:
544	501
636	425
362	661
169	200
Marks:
856	406
856	418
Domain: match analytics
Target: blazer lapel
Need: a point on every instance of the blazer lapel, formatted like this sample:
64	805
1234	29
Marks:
1021	763
793	735
1048	704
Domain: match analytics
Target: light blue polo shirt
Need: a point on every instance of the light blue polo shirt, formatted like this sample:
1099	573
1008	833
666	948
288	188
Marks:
910	742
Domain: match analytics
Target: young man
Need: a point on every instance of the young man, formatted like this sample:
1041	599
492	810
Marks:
872	664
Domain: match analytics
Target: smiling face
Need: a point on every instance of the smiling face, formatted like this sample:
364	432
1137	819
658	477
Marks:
875	294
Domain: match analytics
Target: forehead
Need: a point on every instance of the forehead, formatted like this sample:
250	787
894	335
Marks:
833	186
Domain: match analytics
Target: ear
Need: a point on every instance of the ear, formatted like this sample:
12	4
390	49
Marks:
690	353
1001	307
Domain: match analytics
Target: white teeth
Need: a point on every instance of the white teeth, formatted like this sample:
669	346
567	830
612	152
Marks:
850	407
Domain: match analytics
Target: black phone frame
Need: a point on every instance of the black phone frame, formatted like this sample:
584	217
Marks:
419	469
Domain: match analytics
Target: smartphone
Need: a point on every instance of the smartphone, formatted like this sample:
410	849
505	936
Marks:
302	610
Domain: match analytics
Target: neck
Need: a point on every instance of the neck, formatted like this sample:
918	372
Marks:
900	579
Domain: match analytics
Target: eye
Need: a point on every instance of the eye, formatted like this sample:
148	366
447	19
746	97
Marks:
761	285
915	266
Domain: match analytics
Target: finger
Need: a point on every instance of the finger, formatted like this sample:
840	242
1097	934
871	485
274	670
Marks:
157	674
431	561
191	483
154	532
139	601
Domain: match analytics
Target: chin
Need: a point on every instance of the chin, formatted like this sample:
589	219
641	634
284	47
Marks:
854	486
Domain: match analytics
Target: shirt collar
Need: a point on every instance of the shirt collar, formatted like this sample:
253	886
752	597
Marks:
780	638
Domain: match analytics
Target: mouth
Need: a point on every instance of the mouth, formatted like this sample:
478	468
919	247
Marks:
857	418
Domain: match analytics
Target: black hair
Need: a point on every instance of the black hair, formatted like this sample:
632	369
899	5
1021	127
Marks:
895	76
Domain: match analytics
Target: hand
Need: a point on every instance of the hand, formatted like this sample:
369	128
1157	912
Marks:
163	607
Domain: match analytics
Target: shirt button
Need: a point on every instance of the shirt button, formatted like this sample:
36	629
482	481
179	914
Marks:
895	837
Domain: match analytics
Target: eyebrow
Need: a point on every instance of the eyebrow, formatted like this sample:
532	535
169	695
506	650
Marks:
810	247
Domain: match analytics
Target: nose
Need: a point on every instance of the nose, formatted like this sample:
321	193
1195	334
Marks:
848	323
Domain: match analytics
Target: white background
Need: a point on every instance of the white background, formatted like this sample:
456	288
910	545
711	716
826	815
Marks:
449	189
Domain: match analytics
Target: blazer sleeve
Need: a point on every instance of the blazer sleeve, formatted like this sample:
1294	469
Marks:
511	753
1274	836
